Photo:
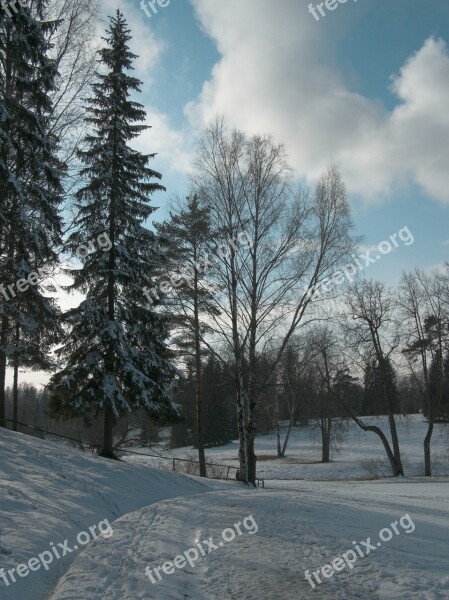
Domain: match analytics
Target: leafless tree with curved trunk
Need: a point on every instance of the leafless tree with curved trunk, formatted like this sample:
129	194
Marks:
293	242
290	376
424	320
371	306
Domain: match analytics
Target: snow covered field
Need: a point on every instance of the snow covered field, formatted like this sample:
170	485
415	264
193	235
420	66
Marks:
50	493
304	453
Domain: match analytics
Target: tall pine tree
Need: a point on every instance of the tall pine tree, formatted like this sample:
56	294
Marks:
116	356
30	191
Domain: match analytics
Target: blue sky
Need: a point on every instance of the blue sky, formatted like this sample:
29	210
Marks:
365	86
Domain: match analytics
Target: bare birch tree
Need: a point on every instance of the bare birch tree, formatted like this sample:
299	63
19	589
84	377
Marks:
75	54
292	243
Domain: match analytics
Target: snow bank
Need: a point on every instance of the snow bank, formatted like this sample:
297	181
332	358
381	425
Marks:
49	493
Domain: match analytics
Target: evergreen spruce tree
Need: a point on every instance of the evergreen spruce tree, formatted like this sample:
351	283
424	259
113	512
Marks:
183	433
116	357
374	392
436	332
30	192
372	397
219	417
347	388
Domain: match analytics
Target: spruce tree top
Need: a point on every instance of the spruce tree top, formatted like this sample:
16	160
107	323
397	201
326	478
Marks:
116	355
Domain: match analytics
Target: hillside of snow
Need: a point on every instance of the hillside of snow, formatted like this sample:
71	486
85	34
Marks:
49	494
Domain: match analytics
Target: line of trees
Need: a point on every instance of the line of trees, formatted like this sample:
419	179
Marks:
364	361
240	326
112	355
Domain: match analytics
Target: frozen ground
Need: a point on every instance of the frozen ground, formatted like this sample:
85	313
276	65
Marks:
303	453
296	531
50	493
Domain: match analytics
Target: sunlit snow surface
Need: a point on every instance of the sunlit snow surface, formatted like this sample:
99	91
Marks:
49	493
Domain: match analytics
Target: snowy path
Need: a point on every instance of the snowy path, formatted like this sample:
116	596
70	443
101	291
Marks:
296	531
49	493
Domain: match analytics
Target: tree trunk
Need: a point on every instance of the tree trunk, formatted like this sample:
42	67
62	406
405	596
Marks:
394	438
378	432
390	455
252	358
15	385
15	394
7	92
326	439
199	429
277	425
108	443
389	404
199	412
287	437
427	457
251	454
4	326
241	399
243	447
198	385
250	427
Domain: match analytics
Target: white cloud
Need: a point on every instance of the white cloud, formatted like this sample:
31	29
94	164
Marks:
144	43
277	74
171	145
420	125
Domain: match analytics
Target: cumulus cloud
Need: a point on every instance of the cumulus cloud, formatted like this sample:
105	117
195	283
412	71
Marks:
278	74
420	125
171	145
144	42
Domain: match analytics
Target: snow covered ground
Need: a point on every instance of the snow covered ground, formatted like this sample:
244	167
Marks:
296	531
304	452
50	493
